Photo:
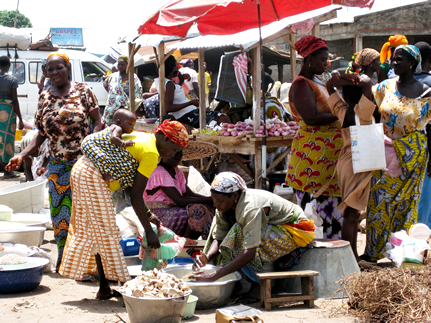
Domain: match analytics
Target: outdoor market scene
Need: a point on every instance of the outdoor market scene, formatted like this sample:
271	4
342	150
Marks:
216	161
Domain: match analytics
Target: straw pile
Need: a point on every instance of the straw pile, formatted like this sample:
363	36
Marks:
390	294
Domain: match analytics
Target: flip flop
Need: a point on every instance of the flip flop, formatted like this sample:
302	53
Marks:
14	175
113	293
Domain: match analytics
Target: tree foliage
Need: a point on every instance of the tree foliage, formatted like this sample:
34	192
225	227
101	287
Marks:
7	19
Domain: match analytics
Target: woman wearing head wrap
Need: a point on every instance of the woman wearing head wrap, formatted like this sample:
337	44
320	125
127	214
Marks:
404	105
317	144
368	62
64	115
93	240
117	86
252	229
386	56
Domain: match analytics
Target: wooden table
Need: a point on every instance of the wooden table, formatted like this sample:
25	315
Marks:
249	145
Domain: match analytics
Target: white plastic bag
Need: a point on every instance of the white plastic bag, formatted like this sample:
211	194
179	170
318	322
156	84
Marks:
368	147
197	183
13	36
311	214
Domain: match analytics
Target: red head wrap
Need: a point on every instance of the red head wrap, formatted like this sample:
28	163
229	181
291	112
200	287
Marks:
309	44
175	131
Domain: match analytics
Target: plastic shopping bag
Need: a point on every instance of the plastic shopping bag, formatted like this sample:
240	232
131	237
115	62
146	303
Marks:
368	147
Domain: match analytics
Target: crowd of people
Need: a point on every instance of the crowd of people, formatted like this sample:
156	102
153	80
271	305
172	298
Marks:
93	157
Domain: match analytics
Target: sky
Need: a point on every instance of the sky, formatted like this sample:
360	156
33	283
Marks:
103	25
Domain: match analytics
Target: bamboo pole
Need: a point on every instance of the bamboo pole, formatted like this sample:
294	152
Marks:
202	107
131	71
162	87
293	71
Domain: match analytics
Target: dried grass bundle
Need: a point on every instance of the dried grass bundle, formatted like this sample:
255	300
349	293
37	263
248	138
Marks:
390	294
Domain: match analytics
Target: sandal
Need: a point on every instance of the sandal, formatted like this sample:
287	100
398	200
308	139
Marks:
13	175
112	294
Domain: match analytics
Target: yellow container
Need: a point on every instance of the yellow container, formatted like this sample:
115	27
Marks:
18	134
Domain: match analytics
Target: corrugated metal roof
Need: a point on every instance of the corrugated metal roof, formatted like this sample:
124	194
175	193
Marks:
248	38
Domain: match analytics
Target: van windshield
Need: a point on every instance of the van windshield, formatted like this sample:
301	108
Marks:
94	71
17	69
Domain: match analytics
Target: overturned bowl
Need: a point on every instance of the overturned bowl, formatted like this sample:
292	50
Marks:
210	295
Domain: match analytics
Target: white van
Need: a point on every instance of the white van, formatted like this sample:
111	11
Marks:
27	68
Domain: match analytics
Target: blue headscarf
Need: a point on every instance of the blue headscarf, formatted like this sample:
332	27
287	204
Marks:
414	51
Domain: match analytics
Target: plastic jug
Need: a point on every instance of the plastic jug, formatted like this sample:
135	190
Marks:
130	246
283	191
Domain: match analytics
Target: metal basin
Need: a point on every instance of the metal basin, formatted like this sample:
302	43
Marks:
31	219
210	295
30	236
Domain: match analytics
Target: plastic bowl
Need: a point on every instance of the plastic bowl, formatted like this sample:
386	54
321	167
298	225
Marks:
23	277
189	311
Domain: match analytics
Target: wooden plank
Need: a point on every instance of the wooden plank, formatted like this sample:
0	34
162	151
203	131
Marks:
293	71
202	107
268	295
131	71
316	30
162	87
237	160
288	299
258	168
278	160
211	162
307	287
326	16
287	274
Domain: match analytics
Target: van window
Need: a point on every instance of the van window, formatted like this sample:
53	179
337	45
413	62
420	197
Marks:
17	69
35	71
93	71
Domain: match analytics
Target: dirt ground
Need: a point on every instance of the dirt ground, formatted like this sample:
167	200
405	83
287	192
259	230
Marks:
61	299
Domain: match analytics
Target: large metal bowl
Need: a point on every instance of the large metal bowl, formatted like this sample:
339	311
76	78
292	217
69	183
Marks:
210	295
30	236
31	219
23	277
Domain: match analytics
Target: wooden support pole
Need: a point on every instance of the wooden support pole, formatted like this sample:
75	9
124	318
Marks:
280	74
257	78
162	87
202	102
316	30
293	72
131	71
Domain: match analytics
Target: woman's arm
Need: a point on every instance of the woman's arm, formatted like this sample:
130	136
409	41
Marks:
138	204
304	100
183	200
202	259
35	143
15	104
169	99
95	116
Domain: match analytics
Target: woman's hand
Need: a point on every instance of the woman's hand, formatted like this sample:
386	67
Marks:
200	261
155	220
14	163
194	102
153	240
40	171
20	124
204	277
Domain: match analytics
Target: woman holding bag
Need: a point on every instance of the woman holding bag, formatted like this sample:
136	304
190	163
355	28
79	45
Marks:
355	188
403	103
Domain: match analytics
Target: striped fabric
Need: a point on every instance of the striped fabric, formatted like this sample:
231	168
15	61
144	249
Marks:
240	67
92	227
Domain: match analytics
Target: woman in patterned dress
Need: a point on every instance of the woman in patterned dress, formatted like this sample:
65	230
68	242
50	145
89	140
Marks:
117	85
317	145
404	105
252	228
63	116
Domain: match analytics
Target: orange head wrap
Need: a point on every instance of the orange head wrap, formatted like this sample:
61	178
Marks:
175	131
309	44
62	55
394	42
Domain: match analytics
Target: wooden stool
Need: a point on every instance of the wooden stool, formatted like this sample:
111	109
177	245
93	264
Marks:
307	288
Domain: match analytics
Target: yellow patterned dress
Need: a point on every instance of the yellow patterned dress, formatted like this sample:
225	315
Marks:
315	152
393	203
